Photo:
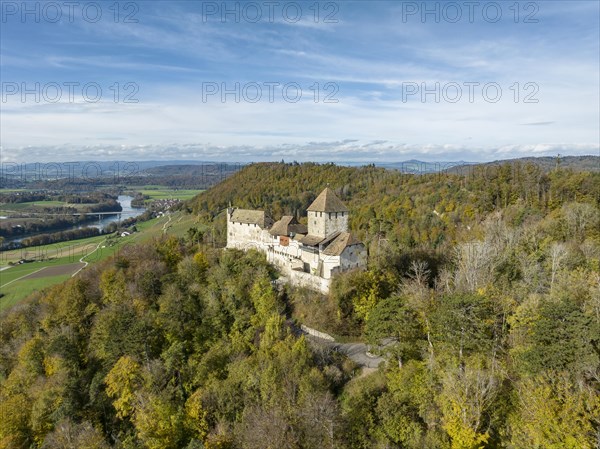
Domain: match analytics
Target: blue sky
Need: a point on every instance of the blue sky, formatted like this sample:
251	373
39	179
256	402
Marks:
379	81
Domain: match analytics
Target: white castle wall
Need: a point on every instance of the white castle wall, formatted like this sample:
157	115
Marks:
293	259
241	235
330	264
316	333
301	279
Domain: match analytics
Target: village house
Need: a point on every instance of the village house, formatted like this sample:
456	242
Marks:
307	255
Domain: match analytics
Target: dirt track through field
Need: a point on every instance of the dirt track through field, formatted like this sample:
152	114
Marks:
58	270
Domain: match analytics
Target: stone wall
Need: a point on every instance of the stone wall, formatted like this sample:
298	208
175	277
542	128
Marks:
330	265
324	224
354	256
301	279
244	236
316	333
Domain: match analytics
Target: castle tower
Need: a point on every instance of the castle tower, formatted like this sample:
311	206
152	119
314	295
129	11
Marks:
327	215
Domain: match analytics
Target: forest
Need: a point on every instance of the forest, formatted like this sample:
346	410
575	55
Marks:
487	284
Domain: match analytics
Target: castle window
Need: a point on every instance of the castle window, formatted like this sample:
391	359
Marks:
336	215
320	214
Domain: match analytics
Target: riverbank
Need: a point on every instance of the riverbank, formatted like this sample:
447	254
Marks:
80	229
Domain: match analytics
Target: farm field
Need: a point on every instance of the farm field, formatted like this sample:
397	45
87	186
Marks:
20	281
52	252
56	263
31	204
162	192
20	290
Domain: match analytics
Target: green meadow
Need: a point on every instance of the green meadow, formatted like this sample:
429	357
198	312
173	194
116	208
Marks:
16	284
162	192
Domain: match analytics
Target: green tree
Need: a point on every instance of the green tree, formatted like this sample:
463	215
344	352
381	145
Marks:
560	336
159	421
463	324
407	411
264	301
393	319
358	406
170	251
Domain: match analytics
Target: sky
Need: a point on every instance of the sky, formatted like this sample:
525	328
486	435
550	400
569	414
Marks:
347	81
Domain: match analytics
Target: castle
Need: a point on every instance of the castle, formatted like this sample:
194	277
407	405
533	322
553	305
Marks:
306	255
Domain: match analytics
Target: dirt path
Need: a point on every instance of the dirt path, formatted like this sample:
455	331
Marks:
357	352
165	226
83	257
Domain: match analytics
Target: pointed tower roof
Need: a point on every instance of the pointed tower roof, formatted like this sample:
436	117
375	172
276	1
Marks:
327	201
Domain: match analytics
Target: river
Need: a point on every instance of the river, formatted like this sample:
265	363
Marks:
127	212
105	220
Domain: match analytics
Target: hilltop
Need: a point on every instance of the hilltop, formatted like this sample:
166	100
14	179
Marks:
546	164
409	210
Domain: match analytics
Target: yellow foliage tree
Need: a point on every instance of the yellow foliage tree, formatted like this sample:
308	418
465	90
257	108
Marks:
464	400
555	413
121	384
196	415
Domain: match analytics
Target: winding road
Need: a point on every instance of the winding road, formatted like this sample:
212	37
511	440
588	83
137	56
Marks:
87	263
357	352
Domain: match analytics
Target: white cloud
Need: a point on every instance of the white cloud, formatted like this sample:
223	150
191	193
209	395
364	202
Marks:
334	151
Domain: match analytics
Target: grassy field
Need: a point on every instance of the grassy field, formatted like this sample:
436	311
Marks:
30	205
19	281
9	275
56	251
20	290
162	192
